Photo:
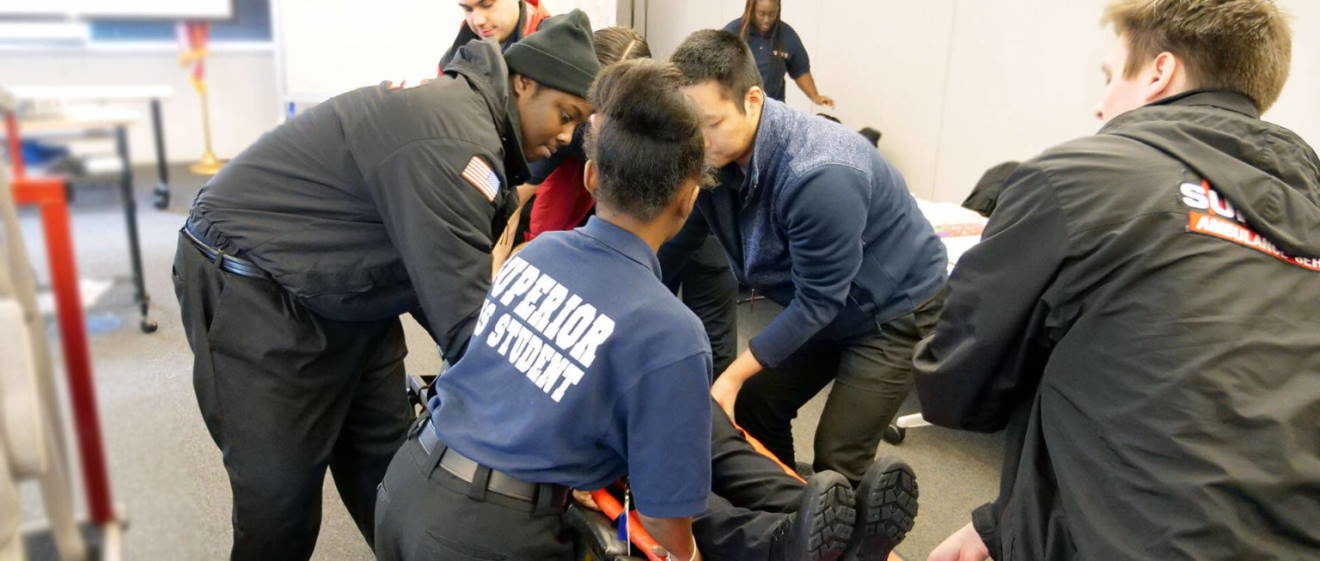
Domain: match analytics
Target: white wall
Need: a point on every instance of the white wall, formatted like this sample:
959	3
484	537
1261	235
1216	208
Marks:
332	46
328	47
957	86
242	89
603	13
177	9
1299	106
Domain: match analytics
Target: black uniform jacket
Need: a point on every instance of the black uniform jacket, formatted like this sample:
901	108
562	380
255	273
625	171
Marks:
383	200
1143	315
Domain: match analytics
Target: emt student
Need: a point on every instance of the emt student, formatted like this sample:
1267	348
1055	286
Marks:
583	367
813	217
297	260
1140	318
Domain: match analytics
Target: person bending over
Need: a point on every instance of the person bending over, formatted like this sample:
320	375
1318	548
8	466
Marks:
583	367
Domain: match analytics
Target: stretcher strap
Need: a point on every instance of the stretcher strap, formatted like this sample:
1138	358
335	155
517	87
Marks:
760	448
638	536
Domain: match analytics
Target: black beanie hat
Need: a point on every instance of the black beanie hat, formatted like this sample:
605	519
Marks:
559	55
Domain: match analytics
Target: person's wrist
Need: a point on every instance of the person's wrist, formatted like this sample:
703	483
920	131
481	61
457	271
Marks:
737	376
691	557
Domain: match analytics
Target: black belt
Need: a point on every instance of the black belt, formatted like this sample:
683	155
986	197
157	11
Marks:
235	265
466	469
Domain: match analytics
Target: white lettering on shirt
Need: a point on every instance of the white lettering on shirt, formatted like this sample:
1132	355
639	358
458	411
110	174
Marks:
506	274
524	282
555	354
487	310
541	317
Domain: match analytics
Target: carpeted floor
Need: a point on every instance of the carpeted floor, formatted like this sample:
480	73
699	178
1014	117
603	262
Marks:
167	474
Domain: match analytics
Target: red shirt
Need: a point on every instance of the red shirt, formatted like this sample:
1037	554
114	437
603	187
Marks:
562	202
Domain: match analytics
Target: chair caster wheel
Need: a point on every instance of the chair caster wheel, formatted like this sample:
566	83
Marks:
894	434
162	197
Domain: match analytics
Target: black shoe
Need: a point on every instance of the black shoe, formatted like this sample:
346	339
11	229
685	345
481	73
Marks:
820	528
805	470
886	509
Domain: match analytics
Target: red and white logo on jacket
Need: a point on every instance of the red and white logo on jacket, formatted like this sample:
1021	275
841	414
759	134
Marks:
1214	215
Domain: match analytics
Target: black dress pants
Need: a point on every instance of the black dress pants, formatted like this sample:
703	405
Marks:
424	513
287	394
708	288
751	495
872	375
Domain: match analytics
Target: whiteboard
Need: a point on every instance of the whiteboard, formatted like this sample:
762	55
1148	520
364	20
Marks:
140	9
327	47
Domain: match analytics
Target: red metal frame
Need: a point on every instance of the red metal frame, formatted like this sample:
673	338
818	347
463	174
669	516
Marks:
50	196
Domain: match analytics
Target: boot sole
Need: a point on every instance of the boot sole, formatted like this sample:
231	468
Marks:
886	506
833	517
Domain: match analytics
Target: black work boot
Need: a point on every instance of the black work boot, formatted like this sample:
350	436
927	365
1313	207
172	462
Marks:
820	528
886	505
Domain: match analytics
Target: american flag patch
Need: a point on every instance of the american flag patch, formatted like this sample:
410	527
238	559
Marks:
482	177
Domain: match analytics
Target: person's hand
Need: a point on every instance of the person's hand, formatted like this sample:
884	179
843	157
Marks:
730	382
584	498
662	553
725	391
963	545
823	100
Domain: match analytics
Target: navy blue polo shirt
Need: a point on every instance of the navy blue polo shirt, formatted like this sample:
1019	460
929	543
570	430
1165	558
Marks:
584	368
776	53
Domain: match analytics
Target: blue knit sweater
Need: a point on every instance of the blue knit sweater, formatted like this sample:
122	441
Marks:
823	225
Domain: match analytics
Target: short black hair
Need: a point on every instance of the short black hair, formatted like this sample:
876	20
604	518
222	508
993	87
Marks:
713	54
871	135
648	139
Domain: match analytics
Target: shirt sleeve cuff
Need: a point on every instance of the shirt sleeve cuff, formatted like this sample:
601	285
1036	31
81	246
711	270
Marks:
764	347
672	509
986	523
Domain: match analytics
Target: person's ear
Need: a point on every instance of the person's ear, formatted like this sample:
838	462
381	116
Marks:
753	101
689	198
523	86
591	177
1163	75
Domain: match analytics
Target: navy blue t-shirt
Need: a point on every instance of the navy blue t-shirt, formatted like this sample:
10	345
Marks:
776	53
584	368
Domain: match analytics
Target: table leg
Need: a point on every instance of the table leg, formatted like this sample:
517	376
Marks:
162	191
130	220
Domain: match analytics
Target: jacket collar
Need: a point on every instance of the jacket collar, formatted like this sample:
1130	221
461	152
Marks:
622	241
771	137
482	63
1219	99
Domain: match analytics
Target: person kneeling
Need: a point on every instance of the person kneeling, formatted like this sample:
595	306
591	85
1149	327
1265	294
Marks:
582	368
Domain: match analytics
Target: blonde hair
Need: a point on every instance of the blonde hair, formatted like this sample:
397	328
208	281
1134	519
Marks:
1239	45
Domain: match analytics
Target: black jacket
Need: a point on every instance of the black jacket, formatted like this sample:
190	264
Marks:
360	206
1151	345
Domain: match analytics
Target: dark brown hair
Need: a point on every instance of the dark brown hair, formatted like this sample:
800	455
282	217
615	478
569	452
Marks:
647	140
